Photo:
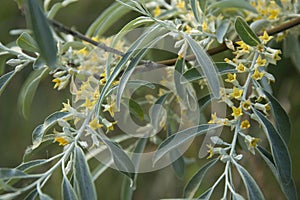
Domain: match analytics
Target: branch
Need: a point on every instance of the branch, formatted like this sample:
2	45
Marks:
149	65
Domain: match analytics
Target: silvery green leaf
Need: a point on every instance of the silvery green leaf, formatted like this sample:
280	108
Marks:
204	101
42	32
222	30
245	32
179	138
31	164
82	175
239	4
195	182
44	196
281	118
26	42
4	80
8	173
259	25
253	191
68	192
28	90
289	189
206	195
207	66
9	196
195	10
278	148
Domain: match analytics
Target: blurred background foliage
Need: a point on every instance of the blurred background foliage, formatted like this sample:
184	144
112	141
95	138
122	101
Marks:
15	131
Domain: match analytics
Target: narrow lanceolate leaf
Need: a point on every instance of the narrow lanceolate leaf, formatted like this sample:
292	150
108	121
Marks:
68	192
39	131
4	80
8	173
28	90
42	32
238	4
26	42
195	10
194	183
253	191
179	138
245	32
82	175
278	148
281	118
204	101
222	29
206	195
289	189
206	65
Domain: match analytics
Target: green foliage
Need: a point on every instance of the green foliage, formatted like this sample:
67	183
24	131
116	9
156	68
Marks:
151	109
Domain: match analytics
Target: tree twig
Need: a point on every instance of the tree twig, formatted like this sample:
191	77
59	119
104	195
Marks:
149	65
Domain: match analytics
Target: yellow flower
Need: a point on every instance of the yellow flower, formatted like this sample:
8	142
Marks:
245	124
260	61
88	103
61	140
94	124
265	37
213	119
236	93
109	125
246	104
204	26
252	143
210	151
273	13
156	11
67	106
236	112
244	48
112	108
180	4
257	75
230	78
188	29
241	68
57	82
82	51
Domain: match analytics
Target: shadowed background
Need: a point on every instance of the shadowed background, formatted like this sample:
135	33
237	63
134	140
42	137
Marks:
15	131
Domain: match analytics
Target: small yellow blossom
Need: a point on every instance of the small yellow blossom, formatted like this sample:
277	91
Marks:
94	124
57	82
265	37
213	119
83	51
260	61
236	93
111	108
204	26
273	14
66	107
156	11
243	47
188	29
241	67
230	78
210	151
88	103
180	4
246	104
257	75
236	112
61	140
109	125
245	124
252	143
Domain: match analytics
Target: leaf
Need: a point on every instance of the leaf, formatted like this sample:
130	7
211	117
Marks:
68	192
245	32
203	4
222	30
136	109
289	189
253	191
206	195
107	19
259	25
206	65
33	163
28	90
193	74
278	148
204	101
9	173
194	183
4	80
281	118
39	131
179	138
44	196
82	175
42	32
26	42
240	4
195	10
32	195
